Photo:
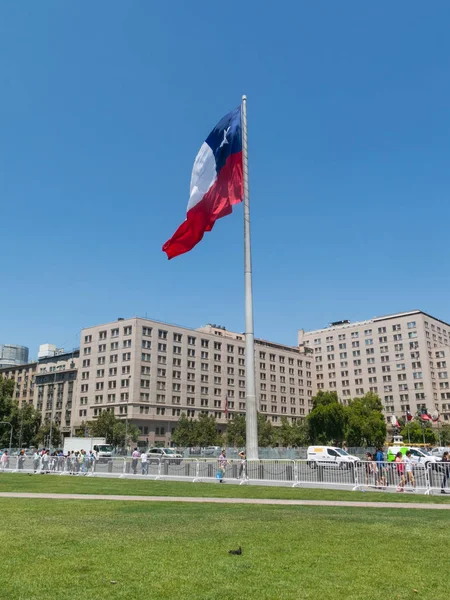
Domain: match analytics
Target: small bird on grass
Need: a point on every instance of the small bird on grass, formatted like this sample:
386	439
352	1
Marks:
238	551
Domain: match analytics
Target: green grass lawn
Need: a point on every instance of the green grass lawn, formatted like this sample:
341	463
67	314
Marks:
92	485
59	550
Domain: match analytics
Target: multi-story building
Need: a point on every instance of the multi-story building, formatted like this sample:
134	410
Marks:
12	354
48	384
404	358
24	377
56	379
150	372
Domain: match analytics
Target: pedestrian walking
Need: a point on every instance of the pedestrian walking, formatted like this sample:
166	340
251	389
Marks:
134	460
45	461
381	468
5	460
76	462
36	459
92	459
400	471
85	463
144	463
409	469
21	460
223	462
370	469
243	465
445	462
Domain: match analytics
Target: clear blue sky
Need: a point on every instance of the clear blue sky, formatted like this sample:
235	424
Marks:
104	105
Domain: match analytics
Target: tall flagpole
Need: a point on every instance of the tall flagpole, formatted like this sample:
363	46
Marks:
250	394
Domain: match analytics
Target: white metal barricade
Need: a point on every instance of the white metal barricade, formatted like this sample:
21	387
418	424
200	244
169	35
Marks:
359	475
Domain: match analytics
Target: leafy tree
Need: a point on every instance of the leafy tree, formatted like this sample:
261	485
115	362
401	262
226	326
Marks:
285	433
42	438
327	419
444	434
25	420
236	434
205	431
417	433
267	436
113	429
184	434
6	397
365	424
294	434
300	434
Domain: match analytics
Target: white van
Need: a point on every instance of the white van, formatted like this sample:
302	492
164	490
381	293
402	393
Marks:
329	456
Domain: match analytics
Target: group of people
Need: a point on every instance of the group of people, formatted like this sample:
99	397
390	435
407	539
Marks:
223	463
378	473
45	461
143	456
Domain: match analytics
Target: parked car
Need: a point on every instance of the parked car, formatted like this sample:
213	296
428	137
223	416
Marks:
329	456
419	456
170	454
439	451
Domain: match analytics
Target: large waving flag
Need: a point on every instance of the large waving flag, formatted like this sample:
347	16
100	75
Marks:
216	184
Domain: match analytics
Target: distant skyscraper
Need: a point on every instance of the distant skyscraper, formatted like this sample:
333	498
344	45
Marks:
12	354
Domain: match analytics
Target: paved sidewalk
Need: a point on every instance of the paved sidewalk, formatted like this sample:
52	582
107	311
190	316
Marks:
224	500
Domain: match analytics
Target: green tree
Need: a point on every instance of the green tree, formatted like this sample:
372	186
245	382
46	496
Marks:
42	438
364	421
417	433
285	433
294	434
25	420
114	430
326	420
267	436
444	433
184	434
300	434
6	397
235	435
205	431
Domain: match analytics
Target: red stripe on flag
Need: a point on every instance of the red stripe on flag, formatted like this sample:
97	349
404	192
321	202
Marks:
215	204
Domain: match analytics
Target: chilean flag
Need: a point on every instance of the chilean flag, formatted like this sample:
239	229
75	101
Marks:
216	184
426	416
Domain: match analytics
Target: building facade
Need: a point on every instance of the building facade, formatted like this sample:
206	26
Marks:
55	388
49	384
150	372
12	354
24	377
404	358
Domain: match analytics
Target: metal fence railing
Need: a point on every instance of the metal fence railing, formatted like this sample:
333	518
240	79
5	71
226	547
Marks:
359	475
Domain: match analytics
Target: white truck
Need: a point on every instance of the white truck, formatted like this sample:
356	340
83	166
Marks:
103	451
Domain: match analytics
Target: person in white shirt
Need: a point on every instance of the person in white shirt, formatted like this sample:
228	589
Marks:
36	460
409	469
144	463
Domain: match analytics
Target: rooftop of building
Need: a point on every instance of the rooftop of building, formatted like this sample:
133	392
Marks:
208	329
346	324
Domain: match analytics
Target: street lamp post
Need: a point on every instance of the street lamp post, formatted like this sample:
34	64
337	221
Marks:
10	435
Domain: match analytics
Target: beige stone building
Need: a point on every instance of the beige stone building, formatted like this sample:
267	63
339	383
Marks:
55	388
404	358
24	377
150	372
49	384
